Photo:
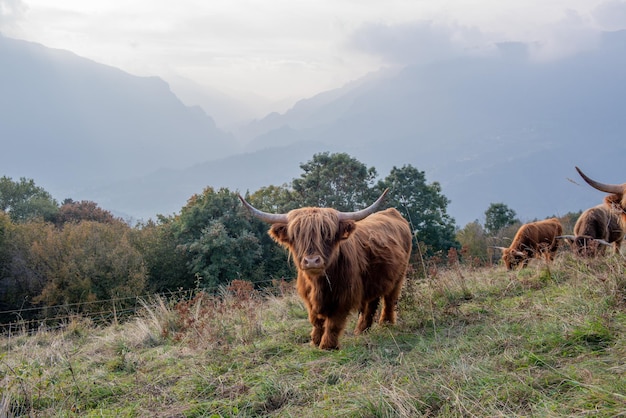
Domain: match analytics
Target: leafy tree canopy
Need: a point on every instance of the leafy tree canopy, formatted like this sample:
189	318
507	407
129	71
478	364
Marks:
473	241
223	243
499	216
334	180
6	228
23	200
273	199
423	205
85	210
87	261
165	259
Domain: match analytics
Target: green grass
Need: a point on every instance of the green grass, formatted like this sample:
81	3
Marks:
546	341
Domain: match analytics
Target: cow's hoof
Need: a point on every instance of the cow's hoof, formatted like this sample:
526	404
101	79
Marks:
329	347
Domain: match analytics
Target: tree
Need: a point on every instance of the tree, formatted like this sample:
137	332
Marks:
473	241
87	261
219	257
273	199
334	180
222	242
85	210
22	279
6	242
499	216
423	205
24	200
165	259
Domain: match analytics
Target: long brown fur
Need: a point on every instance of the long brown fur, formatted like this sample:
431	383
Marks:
355	265
600	222
603	223
532	240
616	203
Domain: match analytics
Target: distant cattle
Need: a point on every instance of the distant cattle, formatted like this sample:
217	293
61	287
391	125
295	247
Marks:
532	240
595	229
346	261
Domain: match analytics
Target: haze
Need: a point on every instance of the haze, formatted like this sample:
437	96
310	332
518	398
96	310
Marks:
271	54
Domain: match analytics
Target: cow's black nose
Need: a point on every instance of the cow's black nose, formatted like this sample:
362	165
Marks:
312	261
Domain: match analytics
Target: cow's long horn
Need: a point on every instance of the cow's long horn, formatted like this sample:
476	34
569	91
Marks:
363	213
499	248
608	188
603	242
572	237
271	218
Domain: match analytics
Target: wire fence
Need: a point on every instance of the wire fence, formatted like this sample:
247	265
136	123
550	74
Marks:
47	318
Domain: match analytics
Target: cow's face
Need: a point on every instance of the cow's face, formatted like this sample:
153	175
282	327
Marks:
312	235
617	204
512	258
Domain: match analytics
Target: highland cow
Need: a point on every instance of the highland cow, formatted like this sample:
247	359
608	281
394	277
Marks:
532	240
595	229
346	261
602	225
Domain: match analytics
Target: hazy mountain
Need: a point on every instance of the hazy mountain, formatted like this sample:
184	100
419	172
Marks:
71	123
499	128
229	111
316	112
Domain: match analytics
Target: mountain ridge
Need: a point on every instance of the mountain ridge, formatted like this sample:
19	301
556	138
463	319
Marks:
70	115
498	128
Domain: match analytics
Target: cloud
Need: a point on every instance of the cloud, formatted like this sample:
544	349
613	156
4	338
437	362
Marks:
611	15
11	12
568	36
416	42
567	33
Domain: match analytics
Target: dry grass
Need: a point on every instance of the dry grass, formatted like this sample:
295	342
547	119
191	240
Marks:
470	342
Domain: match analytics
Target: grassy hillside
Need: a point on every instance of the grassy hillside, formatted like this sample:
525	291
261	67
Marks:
545	341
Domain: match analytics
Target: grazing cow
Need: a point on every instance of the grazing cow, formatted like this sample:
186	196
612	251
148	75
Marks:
616	200
532	240
346	261
601	225
596	228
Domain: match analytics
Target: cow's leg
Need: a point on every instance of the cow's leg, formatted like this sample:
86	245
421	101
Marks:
318	328
333	330
366	316
388	312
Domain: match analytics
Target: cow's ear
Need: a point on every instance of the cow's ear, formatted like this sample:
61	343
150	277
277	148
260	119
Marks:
279	233
346	228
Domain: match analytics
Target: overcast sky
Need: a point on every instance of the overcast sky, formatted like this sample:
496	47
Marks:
295	48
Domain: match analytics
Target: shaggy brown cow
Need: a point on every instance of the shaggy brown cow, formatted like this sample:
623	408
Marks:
532	240
345	262
604	224
616	200
596	228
